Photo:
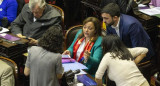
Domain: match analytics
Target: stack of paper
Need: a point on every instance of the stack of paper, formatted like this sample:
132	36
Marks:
152	11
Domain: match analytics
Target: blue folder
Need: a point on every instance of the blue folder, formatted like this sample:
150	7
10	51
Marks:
86	80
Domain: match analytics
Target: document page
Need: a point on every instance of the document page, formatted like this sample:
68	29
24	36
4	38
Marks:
73	66
4	30
152	11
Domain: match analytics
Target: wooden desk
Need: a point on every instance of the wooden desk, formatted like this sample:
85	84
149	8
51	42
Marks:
9	44
12	49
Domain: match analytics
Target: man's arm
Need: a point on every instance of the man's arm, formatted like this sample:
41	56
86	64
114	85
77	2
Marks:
17	25
140	38
19	22
137	36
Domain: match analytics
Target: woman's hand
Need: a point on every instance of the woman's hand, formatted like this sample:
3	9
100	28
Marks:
86	55
66	52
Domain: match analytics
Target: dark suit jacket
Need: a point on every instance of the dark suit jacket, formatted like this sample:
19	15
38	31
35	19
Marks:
133	34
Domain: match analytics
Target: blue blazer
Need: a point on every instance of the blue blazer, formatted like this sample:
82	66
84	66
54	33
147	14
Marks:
133	34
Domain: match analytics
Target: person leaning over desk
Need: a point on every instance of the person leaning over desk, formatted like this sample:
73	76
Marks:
120	63
86	47
45	66
34	19
128	28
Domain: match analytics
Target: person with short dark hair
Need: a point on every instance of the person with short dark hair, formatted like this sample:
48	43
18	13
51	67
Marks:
8	12
34	19
120	63
128	28
86	47
44	63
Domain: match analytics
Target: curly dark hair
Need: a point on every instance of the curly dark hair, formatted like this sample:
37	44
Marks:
52	39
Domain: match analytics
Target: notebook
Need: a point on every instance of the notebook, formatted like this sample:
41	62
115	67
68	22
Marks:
9	37
67	59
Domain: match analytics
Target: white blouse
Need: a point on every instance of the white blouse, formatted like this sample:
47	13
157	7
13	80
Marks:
80	49
123	72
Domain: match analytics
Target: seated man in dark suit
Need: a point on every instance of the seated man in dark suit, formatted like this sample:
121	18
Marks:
128	28
34	20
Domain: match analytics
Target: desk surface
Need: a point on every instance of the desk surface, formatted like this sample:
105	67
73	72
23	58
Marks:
9	44
13	49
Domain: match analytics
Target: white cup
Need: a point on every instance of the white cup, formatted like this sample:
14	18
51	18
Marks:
80	84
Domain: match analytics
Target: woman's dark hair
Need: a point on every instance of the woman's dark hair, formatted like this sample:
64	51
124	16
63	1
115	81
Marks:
113	44
112	9
97	25
52	39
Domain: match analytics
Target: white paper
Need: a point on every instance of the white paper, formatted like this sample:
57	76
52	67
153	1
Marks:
152	11
73	66
4	30
66	56
142	5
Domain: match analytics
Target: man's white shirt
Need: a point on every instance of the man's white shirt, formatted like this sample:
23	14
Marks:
117	27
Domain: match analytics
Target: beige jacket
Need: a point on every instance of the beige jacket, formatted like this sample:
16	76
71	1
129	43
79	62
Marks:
6	75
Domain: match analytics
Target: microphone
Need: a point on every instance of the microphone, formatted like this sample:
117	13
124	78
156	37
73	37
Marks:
69	71
71	74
